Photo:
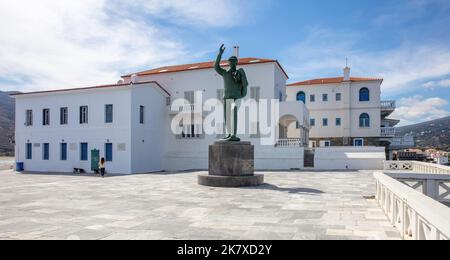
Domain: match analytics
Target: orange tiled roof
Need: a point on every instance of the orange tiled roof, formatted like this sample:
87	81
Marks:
202	65
331	81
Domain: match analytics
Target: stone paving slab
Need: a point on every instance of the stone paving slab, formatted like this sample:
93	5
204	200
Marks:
292	205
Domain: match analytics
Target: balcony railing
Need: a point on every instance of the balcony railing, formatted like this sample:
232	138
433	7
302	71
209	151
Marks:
290	142
388	131
415	215
388	105
420	167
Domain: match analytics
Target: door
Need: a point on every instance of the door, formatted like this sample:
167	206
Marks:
95	159
283	132
308	158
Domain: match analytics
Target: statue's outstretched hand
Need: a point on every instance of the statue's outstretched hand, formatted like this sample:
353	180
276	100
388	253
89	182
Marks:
222	49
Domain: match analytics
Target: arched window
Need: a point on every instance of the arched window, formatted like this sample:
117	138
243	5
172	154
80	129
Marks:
364	120
364	94
301	96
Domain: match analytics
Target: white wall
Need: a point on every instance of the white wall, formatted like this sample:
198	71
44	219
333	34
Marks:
96	133
271	158
351	158
148	139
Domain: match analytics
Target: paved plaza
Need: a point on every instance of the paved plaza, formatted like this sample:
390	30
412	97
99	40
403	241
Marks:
292	205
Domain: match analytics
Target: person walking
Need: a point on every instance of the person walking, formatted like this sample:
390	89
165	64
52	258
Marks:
102	167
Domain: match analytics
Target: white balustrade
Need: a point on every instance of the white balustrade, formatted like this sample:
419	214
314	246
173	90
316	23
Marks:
388	104
388	131
435	186
415	215
291	142
418	167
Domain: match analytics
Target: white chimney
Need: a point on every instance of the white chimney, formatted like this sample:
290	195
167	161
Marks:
346	73
236	51
133	78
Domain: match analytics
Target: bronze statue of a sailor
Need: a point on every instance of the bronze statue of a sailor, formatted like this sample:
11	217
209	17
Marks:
236	84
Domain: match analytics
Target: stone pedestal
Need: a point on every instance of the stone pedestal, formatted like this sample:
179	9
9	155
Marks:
231	164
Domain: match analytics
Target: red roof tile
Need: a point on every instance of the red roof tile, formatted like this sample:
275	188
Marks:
92	87
202	65
331	81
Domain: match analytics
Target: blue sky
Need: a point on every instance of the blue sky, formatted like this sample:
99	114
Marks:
59	44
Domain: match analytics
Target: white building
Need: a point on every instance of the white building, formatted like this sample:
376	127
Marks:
345	111
129	123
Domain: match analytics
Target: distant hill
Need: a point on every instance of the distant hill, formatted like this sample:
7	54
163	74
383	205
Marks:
432	134
6	123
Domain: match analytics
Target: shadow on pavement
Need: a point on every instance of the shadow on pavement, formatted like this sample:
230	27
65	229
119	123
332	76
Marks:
306	191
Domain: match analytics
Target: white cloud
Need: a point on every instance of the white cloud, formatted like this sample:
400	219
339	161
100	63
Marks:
323	53
416	109
215	13
58	44
50	44
445	83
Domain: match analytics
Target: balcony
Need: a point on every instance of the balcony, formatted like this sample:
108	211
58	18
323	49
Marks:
388	132
290	142
387	107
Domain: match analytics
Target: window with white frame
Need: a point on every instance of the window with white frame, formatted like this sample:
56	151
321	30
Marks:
29	117
46	116
109	113
364	120
141	114
63	116
84	113
326	143
358	142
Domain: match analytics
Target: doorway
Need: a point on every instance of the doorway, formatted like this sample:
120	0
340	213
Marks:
308	158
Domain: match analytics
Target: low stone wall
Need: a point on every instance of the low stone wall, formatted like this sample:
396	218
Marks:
349	158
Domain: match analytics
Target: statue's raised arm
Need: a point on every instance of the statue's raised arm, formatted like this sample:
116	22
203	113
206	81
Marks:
217	67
